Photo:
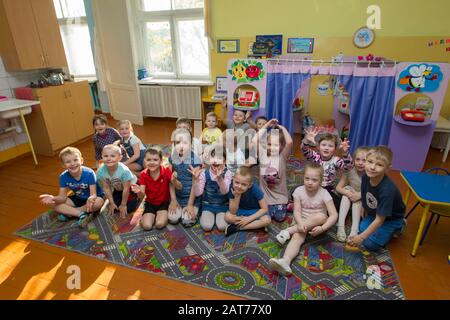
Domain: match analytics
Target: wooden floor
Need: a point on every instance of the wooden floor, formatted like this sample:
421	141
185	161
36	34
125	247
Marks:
31	270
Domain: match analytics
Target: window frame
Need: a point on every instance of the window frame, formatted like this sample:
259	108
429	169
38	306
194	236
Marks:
172	17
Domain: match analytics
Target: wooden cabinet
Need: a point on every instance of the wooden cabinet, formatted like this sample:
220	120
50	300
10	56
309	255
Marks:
29	35
209	105
63	117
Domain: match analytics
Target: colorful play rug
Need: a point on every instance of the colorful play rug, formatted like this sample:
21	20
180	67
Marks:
325	268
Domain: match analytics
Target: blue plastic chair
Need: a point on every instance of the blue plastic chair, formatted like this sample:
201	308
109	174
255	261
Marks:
436	210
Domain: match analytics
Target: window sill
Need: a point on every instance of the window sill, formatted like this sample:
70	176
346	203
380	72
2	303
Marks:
175	82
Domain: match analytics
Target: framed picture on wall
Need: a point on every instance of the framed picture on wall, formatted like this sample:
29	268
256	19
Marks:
273	42
300	45
363	37
228	46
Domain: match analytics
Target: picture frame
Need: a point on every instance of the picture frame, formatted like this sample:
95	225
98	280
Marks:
300	45
363	37
274	42
221	84
228	46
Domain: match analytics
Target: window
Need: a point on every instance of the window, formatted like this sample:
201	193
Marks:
171	38
74	29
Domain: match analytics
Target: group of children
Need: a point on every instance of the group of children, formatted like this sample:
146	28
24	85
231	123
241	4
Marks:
235	181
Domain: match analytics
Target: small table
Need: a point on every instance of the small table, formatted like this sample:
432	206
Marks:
429	189
17	108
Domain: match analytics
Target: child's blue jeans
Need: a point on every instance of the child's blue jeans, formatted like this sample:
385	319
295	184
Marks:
382	235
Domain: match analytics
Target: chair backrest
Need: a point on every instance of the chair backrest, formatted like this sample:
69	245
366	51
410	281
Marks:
438	170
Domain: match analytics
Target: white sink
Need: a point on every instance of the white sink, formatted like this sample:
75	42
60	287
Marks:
10	108
14	113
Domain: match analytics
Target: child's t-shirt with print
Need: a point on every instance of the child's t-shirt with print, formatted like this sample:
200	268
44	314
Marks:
80	187
116	179
273	181
315	204
211	136
384	199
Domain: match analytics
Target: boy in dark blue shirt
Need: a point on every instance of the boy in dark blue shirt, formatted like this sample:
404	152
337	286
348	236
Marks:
382	201
248	208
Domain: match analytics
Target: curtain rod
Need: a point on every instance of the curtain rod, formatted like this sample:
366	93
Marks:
332	62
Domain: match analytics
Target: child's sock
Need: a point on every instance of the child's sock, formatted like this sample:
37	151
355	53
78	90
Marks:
341	235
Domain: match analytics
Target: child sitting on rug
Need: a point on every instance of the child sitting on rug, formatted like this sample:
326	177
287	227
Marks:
87	195
328	144
116	179
133	146
183	161
382	202
185	123
103	136
248	208
275	148
350	187
154	183
311	204
214	184
211	133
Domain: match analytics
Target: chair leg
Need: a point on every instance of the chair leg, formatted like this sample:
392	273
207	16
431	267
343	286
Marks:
426	228
412	209
437	220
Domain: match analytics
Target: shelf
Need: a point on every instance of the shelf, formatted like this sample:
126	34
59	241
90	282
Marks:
400	120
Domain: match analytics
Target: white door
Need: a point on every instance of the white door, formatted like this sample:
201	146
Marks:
112	23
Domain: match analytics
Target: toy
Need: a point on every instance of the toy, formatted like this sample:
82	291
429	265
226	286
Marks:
413	115
248	99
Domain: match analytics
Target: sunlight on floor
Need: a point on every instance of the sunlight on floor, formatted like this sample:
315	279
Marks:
11	257
38	283
98	290
135	296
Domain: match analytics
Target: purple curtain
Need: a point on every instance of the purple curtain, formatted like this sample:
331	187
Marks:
371	109
281	89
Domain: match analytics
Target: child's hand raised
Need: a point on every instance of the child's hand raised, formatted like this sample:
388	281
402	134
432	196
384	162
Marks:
310	134
219	170
345	145
47	199
195	172
248	115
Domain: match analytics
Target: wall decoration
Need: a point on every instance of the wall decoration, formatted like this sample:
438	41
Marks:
246	71
300	45
363	37
228	46
275	43
420	78
322	89
247	86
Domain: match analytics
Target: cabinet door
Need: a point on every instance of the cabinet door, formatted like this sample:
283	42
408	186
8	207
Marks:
24	33
49	34
57	112
82	108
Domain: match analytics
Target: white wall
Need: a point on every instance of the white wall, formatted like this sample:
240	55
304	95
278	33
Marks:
9	81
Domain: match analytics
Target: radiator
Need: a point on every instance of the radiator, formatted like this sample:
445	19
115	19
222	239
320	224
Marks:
171	101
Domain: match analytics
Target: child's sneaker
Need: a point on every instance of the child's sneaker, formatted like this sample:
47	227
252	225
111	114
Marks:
401	231
62	218
280	265
340	234
84	219
230	229
187	221
283	236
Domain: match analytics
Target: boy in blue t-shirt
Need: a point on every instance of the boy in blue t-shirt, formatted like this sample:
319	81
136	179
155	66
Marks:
87	195
382	202
248	208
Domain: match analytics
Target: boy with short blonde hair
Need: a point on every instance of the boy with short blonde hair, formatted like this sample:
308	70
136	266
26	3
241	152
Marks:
248	208
87	195
381	200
